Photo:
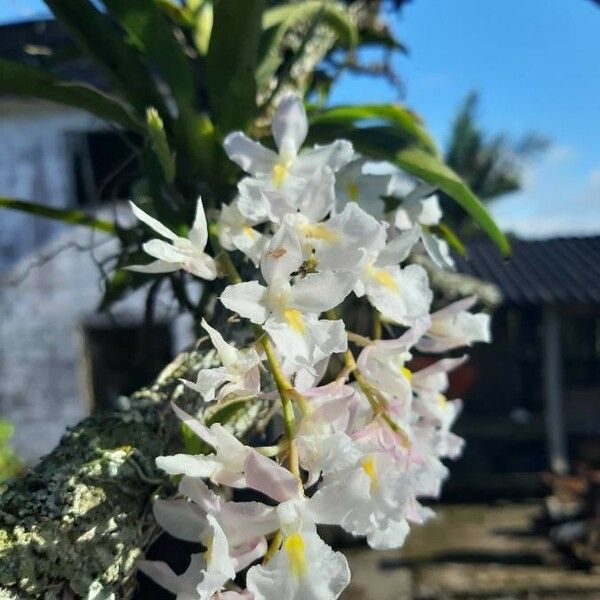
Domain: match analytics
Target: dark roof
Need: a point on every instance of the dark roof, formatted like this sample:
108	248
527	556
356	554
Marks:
46	43
557	270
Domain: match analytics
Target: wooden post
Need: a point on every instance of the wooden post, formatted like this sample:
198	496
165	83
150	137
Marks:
556	436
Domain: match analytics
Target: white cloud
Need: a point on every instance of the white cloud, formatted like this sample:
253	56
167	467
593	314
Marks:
555	201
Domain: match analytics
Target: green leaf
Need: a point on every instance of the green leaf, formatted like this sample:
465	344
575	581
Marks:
203	27
334	14
225	411
395	114
278	20
160	144
96	34
154	37
22	80
192	443
231	62
180	15
450	236
72	217
387	143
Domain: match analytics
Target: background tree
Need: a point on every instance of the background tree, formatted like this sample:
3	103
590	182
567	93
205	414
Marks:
492	165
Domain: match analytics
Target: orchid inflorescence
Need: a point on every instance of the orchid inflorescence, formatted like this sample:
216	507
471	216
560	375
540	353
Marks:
359	448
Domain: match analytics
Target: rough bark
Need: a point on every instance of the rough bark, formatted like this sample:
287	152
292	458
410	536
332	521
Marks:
77	523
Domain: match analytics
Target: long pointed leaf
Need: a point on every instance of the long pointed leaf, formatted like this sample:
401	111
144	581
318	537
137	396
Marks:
22	80
231	62
95	33
153	35
395	114
71	217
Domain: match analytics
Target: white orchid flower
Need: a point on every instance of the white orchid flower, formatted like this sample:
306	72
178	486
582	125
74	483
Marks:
323	443
453	327
182	253
421	210
371	499
366	183
400	294
184	585
236	232
287	169
304	568
239	376
208	572
224	466
289	313
382	362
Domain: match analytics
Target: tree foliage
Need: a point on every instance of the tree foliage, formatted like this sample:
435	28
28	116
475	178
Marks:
183	75
492	166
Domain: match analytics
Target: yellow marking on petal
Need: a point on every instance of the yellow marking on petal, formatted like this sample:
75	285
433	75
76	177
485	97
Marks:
368	465
442	400
249	232
280	172
407	373
209	550
294	319
383	277
352	190
294	546
320	232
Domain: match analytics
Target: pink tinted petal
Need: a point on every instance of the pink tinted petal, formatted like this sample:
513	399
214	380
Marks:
245	555
455	308
269	478
199	493
441	366
180	518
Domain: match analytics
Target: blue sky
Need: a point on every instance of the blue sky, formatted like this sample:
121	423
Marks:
536	65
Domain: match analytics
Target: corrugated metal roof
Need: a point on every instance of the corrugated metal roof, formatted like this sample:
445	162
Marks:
557	270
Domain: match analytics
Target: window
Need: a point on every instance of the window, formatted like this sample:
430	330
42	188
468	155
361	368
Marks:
105	166
120	360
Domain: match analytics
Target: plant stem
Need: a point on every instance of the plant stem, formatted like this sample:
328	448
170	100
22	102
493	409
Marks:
378	404
274	545
289	419
359	340
284	387
377	325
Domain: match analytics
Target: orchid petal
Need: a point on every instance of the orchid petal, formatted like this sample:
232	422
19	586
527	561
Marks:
269	478
199	232
251	156
180	518
282	256
152	222
247	299
157	266
290	125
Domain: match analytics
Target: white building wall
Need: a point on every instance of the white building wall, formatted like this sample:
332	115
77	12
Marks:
42	378
35	164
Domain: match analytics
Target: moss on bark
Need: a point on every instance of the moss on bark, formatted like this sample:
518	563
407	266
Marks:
76	524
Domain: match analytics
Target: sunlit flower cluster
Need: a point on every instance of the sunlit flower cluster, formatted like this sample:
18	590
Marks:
364	433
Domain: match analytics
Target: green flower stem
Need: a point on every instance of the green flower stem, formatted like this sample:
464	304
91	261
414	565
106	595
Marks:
274	545
289	419
377	401
284	387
